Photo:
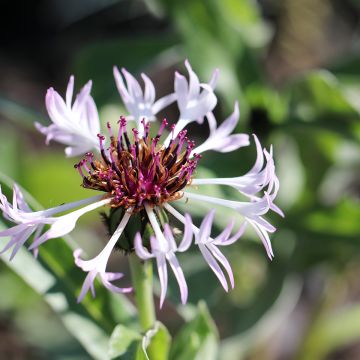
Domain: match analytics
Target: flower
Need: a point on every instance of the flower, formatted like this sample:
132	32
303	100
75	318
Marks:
208	245
32	222
193	103
163	246
220	138
74	125
141	105
97	266
145	177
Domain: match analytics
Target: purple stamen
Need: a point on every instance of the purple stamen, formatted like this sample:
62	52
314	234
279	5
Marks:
79	169
162	127
102	150
108	125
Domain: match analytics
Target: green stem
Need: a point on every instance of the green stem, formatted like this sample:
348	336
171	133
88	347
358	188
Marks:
142	274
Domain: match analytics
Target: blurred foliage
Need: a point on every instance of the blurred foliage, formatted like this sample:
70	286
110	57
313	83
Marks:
303	305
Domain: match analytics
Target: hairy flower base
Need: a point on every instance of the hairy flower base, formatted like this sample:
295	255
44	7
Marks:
142	171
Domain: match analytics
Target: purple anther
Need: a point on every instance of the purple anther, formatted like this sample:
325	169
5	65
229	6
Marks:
101	139
108	125
182	137
146	126
136	134
155	140
84	164
102	150
122	122
162	127
79	169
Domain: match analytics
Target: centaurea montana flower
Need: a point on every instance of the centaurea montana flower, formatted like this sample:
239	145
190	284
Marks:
144	177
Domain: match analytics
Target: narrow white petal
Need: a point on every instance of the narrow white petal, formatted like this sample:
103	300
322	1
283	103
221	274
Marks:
133	86
163	102
140	250
176	268
66	223
149	94
163	276
161	241
121	85
223	261
194	83
70	91
188	234
205	228
214	266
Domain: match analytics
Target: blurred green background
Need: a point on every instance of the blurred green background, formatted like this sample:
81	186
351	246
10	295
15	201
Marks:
294	66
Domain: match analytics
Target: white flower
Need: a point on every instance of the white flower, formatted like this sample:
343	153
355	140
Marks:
209	246
251	211
75	125
97	266
30	222
142	176
163	248
194	99
220	138
141	105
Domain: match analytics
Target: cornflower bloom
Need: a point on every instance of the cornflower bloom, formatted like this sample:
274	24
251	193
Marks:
142	176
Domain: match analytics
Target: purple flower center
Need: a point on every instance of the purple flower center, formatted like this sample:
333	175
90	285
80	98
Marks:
134	172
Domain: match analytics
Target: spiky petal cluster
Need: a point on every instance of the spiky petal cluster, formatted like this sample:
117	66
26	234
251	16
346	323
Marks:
146	178
133	173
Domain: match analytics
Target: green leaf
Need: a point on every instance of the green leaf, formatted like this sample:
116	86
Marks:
198	339
121	339
157	343
130	344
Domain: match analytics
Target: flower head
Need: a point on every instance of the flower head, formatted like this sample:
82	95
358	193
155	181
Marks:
144	177
133	173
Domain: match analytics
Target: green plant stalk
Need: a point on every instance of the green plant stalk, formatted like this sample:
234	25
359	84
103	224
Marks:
142	275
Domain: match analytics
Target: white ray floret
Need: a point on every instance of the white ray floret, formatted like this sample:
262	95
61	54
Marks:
75	125
209	246
220	138
163	248
30	222
140	104
194	99
251	211
97	265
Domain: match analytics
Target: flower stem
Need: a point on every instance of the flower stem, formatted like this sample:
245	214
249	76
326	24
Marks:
142	274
